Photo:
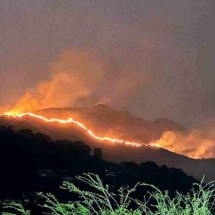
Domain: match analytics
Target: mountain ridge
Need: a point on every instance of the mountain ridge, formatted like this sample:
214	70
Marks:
112	152
115	123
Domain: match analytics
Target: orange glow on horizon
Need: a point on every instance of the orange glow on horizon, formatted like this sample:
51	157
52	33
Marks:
15	114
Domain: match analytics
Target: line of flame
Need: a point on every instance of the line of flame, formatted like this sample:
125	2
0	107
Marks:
81	125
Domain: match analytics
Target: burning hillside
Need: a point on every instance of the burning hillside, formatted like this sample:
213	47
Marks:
79	78
106	121
121	136
79	124
103	124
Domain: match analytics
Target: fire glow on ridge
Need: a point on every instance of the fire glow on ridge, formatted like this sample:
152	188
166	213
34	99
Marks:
80	125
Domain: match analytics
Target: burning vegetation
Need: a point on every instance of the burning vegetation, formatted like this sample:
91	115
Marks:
80	125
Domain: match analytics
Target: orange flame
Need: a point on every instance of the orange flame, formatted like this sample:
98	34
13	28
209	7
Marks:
15	114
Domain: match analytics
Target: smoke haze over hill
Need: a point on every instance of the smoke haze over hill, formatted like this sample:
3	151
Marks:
154	59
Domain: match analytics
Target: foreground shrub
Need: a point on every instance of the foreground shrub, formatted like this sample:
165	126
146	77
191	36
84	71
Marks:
99	200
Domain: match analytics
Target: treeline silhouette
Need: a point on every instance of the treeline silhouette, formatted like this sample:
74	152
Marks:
33	162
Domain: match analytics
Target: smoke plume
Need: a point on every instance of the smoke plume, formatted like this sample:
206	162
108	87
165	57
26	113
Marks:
82	78
197	143
74	76
152	58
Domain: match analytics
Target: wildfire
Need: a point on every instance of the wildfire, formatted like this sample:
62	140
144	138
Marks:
70	120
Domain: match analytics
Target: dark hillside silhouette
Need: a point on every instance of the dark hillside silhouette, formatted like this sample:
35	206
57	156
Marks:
114	152
33	162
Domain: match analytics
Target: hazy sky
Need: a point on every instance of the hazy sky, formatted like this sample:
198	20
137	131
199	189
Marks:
154	58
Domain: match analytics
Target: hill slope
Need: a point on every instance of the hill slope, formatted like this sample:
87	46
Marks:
106	121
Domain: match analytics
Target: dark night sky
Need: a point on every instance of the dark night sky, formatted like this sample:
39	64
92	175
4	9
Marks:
152	58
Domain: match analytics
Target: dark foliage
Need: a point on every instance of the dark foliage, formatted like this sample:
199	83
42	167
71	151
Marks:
30	163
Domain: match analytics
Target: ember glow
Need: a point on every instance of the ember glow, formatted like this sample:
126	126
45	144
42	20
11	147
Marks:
70	120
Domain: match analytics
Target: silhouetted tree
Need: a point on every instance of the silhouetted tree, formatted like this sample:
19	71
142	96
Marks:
97	153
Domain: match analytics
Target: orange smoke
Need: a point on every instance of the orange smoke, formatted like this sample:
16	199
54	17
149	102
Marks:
73	77
197	143
80	125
